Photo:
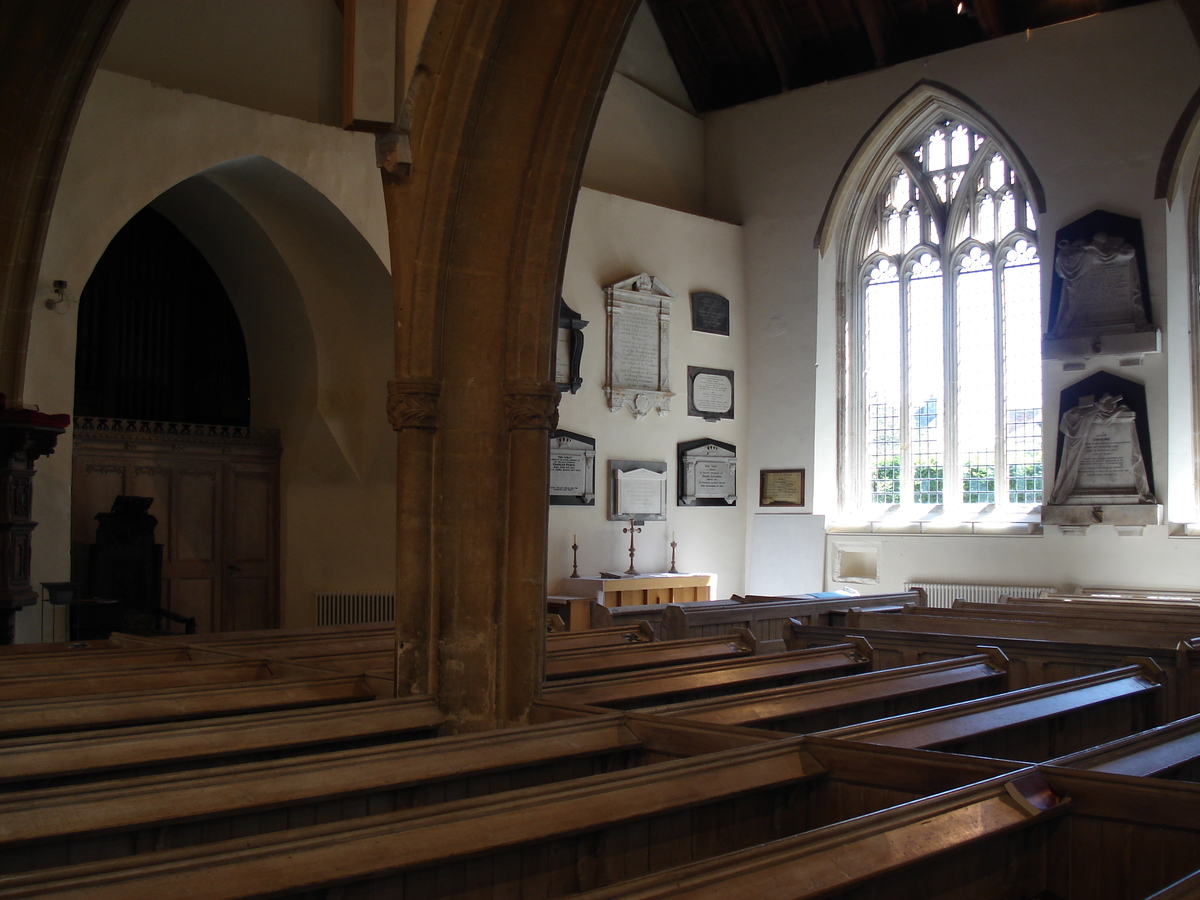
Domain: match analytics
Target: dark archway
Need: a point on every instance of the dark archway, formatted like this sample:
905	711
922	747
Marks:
158	338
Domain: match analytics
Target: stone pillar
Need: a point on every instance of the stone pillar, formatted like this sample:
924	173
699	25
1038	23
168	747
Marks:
20	445
480	179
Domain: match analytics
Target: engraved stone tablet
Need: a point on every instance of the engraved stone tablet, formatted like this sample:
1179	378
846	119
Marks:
710	393
1101	460
1101	287
572	469
710	313
707	473
639	320
637	490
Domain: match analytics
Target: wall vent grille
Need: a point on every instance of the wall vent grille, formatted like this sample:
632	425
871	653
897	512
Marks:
944	595
350	608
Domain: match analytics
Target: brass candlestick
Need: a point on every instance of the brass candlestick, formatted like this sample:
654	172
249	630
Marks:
631	531
673	570
574	556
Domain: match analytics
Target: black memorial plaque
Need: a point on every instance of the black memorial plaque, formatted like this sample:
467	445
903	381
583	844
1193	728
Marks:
710	313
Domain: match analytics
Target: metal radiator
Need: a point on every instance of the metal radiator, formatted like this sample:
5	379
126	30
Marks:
945	594
354	608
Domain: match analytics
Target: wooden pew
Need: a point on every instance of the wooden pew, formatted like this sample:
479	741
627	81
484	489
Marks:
1032	724
598	660
1035	834
84	756
139	678
1142	611
851	699
1030	661
549	841
768	617
1187	888
1168	751
936	622
28	717
712	679
59	826
606	617
638	632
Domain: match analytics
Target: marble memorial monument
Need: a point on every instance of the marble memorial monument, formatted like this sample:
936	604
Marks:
639	336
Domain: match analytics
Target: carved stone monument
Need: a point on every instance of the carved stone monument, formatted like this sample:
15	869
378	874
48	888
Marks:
639	336
572	469
707	473
1101	475
637	490
1098	302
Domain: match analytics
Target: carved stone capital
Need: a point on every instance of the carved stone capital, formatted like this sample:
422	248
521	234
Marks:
531	405
413	402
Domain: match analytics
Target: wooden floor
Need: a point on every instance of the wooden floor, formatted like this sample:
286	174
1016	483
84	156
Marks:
1045	749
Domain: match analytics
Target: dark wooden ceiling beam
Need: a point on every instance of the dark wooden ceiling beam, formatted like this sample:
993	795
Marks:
1191	10
761	23
878	24
990	20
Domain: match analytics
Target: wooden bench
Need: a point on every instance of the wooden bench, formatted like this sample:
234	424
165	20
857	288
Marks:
1030	661
1187	618
76	823
851	699
598	660
638	632
712	679
549	841
1032	724
604	617
1168	751
82	756
1036	834
945	622
767	617
26	717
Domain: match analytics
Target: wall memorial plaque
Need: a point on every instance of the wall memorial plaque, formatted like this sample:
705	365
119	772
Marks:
639	336
707	473
710	393
1103	475
710	313
1098	301
569	348
572	469
781	487
637	490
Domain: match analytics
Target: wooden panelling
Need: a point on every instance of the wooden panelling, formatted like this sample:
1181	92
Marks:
216	500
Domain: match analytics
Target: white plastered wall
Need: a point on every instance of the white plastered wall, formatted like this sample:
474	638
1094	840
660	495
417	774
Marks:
613	238
1091	104
135	141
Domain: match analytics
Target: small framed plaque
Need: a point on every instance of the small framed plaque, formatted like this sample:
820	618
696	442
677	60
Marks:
710	313
781	487
707	473
710	393
637	489
572	469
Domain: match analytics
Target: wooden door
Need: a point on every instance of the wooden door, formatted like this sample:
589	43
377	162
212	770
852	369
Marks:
250	566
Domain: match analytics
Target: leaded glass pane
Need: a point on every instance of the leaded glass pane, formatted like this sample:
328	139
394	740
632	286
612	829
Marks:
1021	304
926	378
882	379
976	402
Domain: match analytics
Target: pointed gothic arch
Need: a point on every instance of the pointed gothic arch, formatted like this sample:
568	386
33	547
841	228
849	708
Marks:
938	301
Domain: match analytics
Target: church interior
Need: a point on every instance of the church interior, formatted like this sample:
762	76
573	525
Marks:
391	332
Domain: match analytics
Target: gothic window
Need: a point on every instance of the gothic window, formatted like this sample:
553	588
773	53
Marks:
944	318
